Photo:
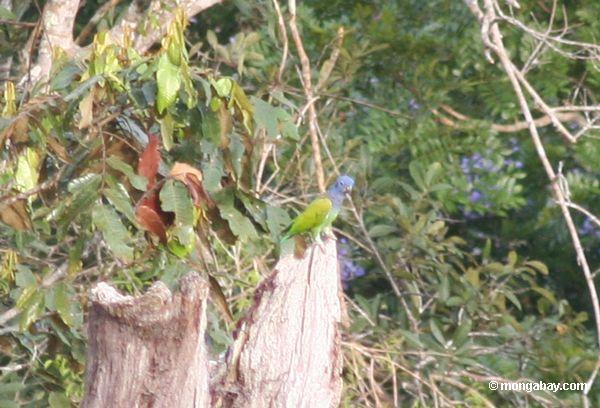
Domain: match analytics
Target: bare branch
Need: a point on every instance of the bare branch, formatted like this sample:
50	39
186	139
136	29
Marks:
501	128
518	82
98	15
46	283
284	37
308	91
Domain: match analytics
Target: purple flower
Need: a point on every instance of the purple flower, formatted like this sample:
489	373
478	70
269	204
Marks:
590	229
465	164
349	270
413	105
475	196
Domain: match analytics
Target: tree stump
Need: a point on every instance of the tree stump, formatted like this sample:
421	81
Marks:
150	350
287	350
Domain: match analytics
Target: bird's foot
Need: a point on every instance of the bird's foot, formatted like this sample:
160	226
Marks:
330	235
320	243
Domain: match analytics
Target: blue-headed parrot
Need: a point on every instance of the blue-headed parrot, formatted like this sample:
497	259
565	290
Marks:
321	213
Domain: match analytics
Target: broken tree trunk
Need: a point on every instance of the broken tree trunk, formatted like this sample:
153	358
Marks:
287	350
150	350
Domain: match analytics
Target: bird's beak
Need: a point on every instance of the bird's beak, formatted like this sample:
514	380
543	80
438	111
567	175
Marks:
347	190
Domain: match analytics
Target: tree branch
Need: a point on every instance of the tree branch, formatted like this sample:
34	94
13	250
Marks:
517	80
502	128
308	91
58	19
162	11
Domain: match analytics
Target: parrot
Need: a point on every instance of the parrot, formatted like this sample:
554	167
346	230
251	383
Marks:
321	213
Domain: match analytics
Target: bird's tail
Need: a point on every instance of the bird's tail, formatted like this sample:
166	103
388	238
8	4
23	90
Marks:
287	244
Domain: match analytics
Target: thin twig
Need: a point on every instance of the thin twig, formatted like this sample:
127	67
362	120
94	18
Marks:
517	80
284	39
9	199
307	84
46	283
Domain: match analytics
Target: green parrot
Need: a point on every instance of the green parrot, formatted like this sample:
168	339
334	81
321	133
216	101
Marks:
321	213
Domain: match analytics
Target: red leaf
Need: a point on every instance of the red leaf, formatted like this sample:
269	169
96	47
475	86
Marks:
151	221
149	160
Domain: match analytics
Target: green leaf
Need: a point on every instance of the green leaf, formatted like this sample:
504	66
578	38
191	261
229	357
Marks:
31	306
24	277
512	258
513	299
444	288
85	192
437	333
119	197
545	293
167	124
59	400
6	14
433	172
27	172
9	388
416	172
274	120
137	181
382	230
211	129
212	169
277	220
239	224
411	338
223	86
65	77
62	303
237	149
539	266
168	80
461	335
114	232
435	227
184	244
174	197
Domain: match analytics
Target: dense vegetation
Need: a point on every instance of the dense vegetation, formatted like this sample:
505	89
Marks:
455	259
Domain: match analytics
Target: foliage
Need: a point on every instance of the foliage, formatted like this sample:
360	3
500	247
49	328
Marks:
149	166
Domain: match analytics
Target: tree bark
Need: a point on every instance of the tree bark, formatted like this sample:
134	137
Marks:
59	16
287	350
148	351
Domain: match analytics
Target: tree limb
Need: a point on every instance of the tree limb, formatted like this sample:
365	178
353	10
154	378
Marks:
308	91
502	128
58	19
518	82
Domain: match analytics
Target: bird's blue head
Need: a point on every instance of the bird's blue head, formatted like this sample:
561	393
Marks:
342	186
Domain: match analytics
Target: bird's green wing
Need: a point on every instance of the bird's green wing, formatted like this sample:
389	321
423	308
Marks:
313	216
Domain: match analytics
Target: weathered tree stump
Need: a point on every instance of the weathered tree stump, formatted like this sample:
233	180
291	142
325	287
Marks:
287	350
150	350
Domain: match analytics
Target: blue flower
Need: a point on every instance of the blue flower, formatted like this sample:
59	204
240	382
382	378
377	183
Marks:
475	196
